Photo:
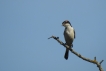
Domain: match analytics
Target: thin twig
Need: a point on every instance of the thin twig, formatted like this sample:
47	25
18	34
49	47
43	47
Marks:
101	61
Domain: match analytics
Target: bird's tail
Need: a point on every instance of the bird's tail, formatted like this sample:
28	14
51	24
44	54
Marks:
66	54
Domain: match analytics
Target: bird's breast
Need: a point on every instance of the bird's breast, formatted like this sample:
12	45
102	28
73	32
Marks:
69	34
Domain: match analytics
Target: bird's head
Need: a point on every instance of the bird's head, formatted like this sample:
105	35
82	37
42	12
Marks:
66	23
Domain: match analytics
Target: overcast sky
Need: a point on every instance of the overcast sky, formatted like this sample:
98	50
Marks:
25	26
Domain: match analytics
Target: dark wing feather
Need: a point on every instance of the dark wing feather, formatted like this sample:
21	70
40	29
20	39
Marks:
74	34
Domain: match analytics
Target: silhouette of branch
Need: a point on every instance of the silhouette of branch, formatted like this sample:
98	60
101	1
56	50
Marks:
79	55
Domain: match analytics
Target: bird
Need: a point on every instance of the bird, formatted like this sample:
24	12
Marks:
69	36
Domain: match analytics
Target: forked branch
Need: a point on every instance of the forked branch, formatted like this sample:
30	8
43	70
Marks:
94	61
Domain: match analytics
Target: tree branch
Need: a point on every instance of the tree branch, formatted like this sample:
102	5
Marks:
79	55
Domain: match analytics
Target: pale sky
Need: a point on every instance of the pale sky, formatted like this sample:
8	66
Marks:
25	26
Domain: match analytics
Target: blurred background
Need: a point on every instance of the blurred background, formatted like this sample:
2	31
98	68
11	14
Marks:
26	25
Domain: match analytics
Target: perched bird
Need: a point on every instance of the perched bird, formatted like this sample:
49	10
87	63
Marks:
69	35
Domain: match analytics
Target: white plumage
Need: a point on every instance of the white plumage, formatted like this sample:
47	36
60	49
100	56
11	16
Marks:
69	35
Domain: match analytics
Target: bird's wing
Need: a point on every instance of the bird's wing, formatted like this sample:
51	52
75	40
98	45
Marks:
74	34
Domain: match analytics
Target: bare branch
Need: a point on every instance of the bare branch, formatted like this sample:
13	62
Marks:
79	55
